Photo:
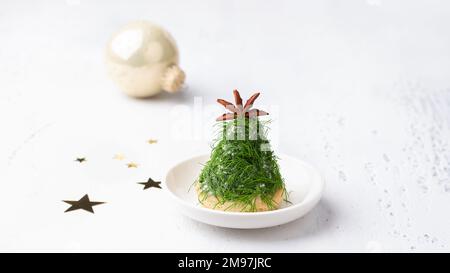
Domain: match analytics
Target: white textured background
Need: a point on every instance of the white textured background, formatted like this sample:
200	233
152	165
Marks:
363	89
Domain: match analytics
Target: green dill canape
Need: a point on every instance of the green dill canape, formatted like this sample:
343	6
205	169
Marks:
242	173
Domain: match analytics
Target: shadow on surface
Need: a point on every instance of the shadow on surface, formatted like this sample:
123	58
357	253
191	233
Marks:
184	96
315	222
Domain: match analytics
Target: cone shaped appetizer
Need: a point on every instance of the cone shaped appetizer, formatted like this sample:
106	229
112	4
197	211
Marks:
242	173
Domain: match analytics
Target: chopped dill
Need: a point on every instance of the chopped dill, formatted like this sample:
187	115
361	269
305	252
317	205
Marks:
242	165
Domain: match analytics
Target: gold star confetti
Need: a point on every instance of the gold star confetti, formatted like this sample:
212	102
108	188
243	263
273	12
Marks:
151	184
80	159
152	141
119	157
132	165
84	203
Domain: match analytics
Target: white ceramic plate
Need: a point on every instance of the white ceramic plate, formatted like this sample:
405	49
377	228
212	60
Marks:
303	183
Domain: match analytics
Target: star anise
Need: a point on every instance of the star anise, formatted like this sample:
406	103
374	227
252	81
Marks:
239	110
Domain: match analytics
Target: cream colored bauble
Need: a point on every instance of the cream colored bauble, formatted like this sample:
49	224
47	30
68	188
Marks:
142	59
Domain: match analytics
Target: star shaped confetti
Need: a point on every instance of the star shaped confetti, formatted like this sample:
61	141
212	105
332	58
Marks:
84	203
132	165
152	141
80	159
119	157
151	184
